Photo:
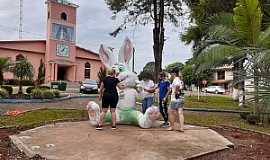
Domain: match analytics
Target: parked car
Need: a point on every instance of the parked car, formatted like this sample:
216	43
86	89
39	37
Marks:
215	89
89	86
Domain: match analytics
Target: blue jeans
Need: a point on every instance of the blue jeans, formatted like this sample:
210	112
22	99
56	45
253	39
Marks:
146	103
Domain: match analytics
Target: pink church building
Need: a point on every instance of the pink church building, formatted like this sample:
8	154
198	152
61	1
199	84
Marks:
63	59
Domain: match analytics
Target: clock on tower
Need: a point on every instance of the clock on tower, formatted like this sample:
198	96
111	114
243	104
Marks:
62	50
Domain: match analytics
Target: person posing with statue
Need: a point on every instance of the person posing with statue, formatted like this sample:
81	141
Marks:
148	87
164	91
177	101
109	96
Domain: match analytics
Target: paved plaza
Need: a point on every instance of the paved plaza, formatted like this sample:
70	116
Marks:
80	141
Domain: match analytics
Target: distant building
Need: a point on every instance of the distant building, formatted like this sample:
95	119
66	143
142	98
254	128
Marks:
63	59
223	76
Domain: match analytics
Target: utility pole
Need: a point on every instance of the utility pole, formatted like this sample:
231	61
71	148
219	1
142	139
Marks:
133	61
21	20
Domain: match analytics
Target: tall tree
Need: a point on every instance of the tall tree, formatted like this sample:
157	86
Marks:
144	12
23	70
174	66
4	65
41	72
199	12
148	71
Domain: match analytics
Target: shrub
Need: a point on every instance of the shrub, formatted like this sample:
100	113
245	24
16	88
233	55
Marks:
43	87
48	94
15	82
244	115
3	93
253	119
37	93
28	83
9	89
56	93
11	82
30	89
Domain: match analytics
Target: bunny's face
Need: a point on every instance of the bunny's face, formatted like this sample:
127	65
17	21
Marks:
153	113
93	112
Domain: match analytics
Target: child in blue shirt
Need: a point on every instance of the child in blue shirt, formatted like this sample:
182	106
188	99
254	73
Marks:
164	91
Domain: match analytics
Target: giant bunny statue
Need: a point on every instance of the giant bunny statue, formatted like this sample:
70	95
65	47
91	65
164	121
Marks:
125	111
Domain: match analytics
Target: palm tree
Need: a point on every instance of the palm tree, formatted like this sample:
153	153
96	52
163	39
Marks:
233	38
4	65
23	70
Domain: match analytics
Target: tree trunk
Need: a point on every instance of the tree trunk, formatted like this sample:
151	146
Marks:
20	86
158	35
1	77
257	110
240	85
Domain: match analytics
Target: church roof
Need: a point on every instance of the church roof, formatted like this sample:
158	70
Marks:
11	44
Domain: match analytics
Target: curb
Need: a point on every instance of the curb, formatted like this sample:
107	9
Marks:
214	110
20	101
248	130
208	110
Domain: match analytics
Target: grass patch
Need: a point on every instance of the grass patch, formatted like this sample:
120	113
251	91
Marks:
41	116
211	102
196	118
208	119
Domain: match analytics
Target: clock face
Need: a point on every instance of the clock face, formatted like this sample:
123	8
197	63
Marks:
62	50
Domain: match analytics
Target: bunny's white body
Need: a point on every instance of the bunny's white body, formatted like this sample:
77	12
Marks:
125	111
125	116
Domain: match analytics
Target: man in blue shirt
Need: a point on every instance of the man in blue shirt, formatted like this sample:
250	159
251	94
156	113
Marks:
164	91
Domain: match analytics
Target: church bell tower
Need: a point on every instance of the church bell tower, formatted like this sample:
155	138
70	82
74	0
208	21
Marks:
61	40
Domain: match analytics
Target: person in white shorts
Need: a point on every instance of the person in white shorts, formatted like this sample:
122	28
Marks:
177	102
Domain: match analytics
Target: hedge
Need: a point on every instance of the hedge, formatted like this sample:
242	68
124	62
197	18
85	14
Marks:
29	89
3	93
39	93
16	82
9	89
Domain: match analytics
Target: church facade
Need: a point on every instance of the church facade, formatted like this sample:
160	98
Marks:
63	59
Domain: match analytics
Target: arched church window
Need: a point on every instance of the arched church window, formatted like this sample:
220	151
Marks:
64	16
20	57
87	70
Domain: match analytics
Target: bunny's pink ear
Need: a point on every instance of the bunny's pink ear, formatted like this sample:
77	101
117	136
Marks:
104	54
125	52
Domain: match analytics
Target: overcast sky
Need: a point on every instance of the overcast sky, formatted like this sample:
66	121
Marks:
94	24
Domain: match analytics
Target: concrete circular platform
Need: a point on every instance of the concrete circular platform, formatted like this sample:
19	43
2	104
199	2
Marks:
80	141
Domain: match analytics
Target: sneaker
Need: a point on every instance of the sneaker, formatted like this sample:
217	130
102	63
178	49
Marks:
98	127
165	125
113	127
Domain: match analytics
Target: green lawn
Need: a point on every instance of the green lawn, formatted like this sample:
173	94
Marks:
40	116
196	118
208	119
211	102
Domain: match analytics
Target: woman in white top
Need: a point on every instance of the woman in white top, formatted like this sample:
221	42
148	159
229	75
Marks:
148	92
177	102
